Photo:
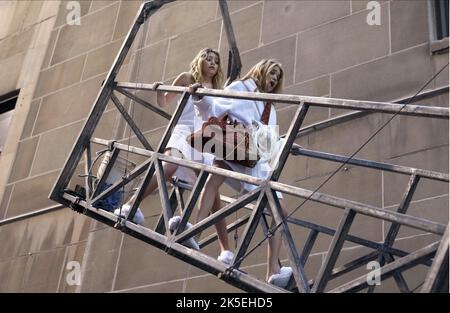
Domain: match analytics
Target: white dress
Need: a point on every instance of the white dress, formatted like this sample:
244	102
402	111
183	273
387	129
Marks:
244	111
188	123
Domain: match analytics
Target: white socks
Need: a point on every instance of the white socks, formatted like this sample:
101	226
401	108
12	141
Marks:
138	217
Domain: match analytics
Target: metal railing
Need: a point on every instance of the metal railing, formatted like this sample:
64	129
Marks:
434	255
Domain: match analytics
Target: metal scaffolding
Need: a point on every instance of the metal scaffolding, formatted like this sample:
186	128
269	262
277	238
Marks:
393	261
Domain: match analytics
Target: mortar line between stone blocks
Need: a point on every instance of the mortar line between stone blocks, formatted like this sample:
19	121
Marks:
184	286
119	252
389	27
62	268
62	126
53	50
379	58
86	256
220	36
98	10
181	34
362	63
31	253
81	54
115	22
414	236
34	157
9	200
36	176
246	7
323	24
84	67
295	59
420	200
417	151
36	118
351	6
329	93
70	86
261	24
90	6
217	11
190	278
166	59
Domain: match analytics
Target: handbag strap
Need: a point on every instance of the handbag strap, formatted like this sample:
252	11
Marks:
267	108
266	113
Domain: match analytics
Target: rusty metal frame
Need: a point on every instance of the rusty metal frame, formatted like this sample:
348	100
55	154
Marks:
260	198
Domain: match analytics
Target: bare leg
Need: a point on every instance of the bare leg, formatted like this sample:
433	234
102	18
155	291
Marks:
273	251
221	226
210	201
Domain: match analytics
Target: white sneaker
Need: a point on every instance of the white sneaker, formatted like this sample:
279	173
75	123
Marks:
173	225
281	279
174	222
226	257
138	217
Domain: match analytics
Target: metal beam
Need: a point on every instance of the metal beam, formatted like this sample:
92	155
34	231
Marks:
144	103
333	251
100	102
437	277
390	269
217	216
411	221
108	168
250	229
160	227
353	115
130	122
294	258
282	157
369	106
163	194
393	232
236	278
198	187
116	186
173	122
234	61
444	177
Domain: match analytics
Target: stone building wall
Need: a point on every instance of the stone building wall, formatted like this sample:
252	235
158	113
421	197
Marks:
327	49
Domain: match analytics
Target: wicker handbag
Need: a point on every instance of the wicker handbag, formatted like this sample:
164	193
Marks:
230	141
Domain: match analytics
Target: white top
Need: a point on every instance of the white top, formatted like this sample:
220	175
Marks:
244	111
188	123
189	120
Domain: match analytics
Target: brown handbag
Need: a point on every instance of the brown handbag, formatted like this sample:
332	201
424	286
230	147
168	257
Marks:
228	140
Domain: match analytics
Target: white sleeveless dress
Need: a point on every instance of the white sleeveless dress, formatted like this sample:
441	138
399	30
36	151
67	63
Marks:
244	111
188	123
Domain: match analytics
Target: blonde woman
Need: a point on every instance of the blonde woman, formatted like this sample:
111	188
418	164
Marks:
266	76
205	69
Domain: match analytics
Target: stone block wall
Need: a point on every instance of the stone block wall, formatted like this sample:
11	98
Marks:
327	49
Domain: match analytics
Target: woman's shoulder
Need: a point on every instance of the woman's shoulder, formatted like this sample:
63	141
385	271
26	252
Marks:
184	79
237	84
243	85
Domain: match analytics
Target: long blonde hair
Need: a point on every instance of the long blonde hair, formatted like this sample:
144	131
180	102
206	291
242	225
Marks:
196	68
260	71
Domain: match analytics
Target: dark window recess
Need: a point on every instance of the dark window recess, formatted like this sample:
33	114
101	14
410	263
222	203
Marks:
8	101
7	105
441	18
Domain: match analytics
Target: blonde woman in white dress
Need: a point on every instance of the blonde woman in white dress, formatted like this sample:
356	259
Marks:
267	77
205	69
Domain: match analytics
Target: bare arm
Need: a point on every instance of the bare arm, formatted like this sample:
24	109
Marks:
166	98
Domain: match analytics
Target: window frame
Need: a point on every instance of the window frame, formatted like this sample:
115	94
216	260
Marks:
8	103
